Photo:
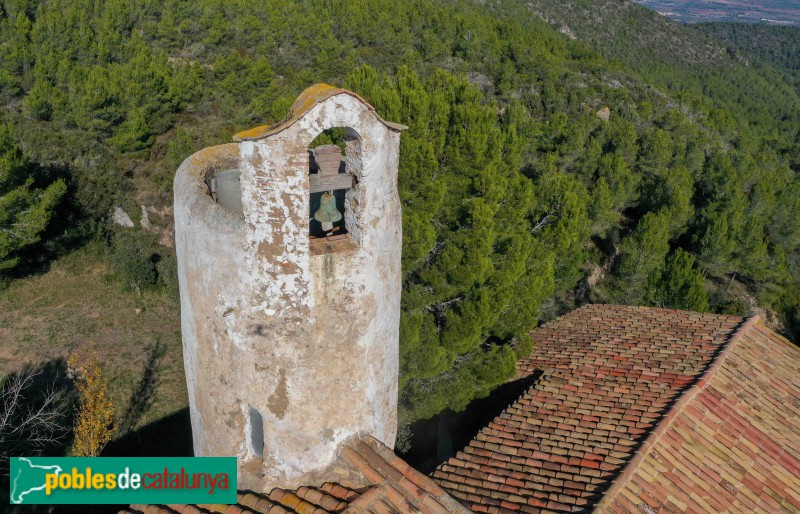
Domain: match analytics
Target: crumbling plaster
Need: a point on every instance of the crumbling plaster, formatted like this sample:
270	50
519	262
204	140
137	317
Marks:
309	341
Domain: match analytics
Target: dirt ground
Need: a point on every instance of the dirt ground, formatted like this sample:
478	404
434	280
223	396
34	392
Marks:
76	305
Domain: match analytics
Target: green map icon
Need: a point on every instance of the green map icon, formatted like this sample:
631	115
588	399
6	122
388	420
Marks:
28	480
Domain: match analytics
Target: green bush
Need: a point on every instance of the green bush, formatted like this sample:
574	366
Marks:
167	269
134	258
25	209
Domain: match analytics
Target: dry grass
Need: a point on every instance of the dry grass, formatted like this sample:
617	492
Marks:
78	305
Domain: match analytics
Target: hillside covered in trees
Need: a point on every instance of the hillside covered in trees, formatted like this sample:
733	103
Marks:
759	45
603	155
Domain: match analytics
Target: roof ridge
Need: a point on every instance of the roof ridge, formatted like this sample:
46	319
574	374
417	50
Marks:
583	307
395	483
666	420
600	306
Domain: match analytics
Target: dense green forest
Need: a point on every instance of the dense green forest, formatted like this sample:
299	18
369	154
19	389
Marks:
759	45
539	172
741	101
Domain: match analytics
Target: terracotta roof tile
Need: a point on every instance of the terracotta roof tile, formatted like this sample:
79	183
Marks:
643	410
732	443
396	489
609	374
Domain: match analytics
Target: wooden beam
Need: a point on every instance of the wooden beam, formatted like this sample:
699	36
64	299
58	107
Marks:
320	183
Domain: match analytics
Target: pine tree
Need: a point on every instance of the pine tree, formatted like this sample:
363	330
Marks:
754	252
642	255
38	103
477	267
672	189
679	285
718	243
133	134
602	210
25	210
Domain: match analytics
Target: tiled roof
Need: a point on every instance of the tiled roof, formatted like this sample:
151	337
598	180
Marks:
609	375
395	488
637	410
731	443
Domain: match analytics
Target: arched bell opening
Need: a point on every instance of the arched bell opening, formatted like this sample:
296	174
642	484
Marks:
334	168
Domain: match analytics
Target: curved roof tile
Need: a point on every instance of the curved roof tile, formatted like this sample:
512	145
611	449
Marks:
610	373
637	409
395	488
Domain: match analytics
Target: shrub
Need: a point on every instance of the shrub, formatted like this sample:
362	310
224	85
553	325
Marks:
135	258
167	269
94	421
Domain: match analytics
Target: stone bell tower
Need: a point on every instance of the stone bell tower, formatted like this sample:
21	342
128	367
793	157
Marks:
289	267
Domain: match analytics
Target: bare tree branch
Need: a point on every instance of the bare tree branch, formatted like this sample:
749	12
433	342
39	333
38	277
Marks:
30	419
544	221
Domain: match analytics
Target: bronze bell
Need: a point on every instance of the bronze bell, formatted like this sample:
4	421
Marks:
327	214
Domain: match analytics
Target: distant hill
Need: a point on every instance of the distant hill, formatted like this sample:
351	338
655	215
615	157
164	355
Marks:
623	30
776	46
772	12
689	64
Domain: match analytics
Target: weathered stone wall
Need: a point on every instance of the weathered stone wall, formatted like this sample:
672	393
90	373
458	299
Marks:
308	340
210	244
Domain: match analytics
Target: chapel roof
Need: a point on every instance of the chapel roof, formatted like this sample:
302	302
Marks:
731	443
609	374
635	410
395	488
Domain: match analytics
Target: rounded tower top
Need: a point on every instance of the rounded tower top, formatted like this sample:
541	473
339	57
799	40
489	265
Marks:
309	98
